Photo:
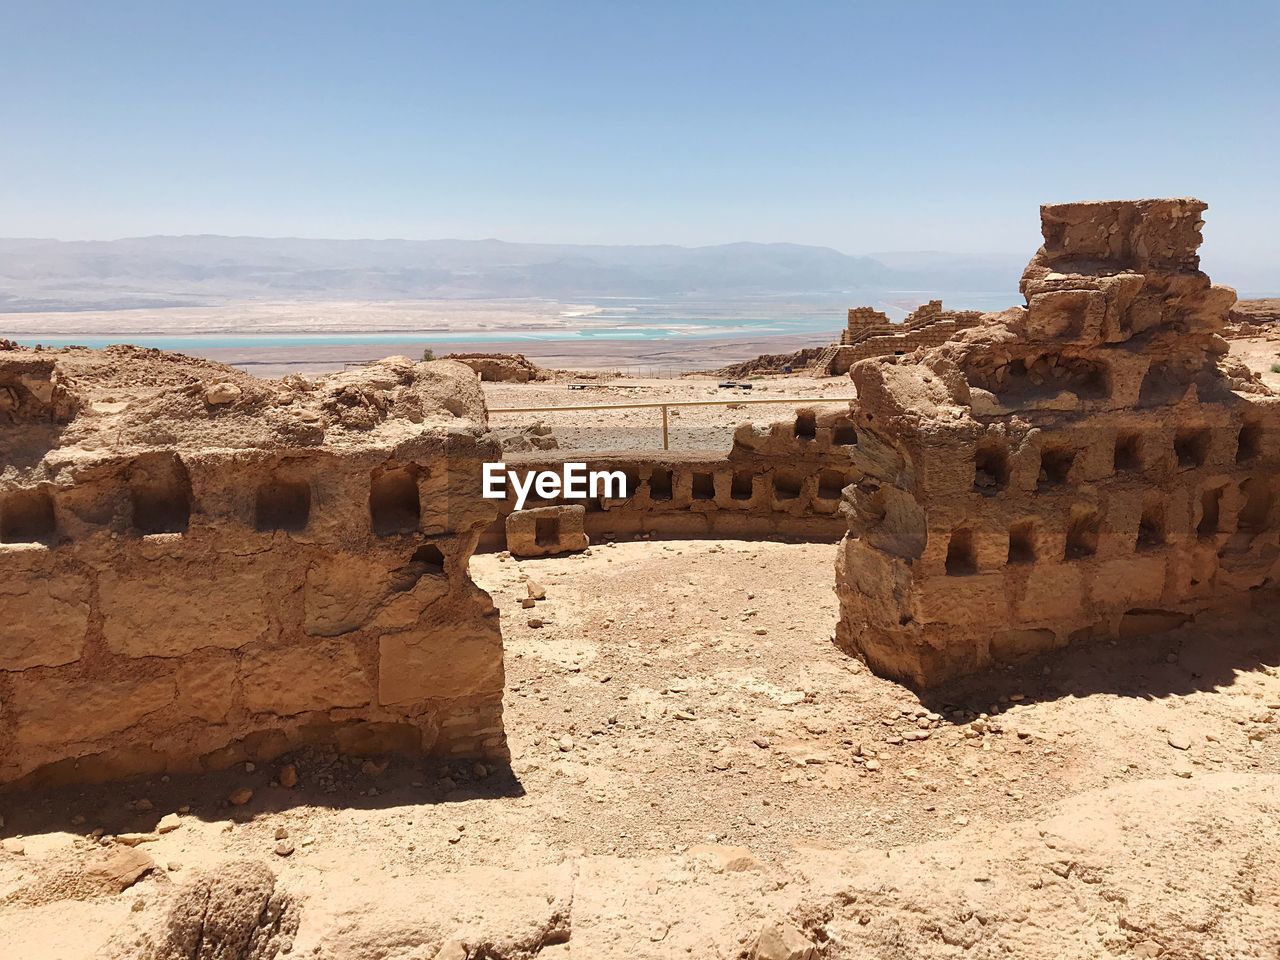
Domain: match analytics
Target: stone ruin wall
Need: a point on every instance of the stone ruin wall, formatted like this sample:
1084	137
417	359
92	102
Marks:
1089	465
870	333
199	568
202	568
501	367
780	480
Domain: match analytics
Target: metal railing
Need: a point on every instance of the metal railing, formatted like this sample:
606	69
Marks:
665	404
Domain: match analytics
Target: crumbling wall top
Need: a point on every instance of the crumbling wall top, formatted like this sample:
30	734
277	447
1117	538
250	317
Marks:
125	399
1161	234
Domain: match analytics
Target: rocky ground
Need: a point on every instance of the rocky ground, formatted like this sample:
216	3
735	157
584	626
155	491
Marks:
689	428
694	762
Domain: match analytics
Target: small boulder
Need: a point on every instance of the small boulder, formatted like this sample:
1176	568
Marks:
217	394
121	870
781	940
238	798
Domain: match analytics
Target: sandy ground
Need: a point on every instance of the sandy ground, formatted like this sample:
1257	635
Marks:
693	759
1261	354
688	428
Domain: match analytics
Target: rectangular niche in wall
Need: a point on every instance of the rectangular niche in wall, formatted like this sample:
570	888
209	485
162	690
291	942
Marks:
787	485
1210	512
743	484
1083	531
991	466
160	494
806	425
394	501
704	486
1128	452
1151	526
831	484
26	516
844	434
1249	442
427	559
1055	465
1257	501
962	558
1022	542
1191	444
660	484
282	504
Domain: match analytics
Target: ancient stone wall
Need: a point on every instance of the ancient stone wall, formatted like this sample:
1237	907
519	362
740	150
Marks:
870	333
1089	465
199	568
501	367
783	480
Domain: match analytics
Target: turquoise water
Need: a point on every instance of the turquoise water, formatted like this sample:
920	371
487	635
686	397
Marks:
618	319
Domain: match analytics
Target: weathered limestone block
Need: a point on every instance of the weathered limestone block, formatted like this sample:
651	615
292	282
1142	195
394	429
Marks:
51	710
316	675
206	686
1053	592
546	530
171	607
1136	581
341	594
440	662
43	623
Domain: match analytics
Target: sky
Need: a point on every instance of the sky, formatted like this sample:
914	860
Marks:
861	126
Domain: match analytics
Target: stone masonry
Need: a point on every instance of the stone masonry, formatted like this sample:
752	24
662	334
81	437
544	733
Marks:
782	479
201	568
1090	465
870	333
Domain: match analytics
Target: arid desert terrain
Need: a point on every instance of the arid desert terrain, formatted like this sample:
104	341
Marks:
696	766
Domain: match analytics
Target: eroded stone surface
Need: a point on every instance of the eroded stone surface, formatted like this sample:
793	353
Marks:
1089	465
198	567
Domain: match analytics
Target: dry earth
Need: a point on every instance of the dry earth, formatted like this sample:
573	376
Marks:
1261	353
690	428
693	759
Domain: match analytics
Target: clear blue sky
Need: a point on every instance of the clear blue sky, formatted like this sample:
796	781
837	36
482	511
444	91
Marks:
893	125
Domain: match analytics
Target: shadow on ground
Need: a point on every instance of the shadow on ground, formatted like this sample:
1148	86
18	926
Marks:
1210	654
325	780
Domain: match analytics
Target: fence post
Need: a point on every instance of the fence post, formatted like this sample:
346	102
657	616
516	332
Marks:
664	427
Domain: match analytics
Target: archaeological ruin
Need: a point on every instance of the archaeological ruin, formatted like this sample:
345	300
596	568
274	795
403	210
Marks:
201	568
1090	465
780	480
870	333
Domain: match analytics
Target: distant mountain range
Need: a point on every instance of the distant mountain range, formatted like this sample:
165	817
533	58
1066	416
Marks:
41	275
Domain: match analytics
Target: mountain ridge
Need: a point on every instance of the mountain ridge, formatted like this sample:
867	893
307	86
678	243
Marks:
190	269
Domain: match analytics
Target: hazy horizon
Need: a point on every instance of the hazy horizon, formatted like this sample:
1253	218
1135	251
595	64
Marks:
903	127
